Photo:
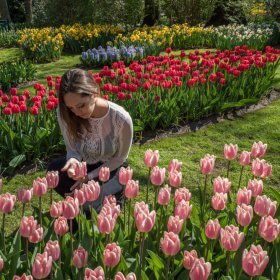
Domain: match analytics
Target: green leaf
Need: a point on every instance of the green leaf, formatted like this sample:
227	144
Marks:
16	161
144	275
157	261
58	275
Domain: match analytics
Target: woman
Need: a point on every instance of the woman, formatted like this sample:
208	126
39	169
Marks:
95	130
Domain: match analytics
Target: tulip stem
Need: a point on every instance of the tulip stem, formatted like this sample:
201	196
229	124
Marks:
71	235
51	197
228	262
204	195
23	209
26	251
159	223
241	171
102	194
3	233
124	209
40	210
128	217
59	242
207	249
148	181
228	168
167	267
92	222
142	237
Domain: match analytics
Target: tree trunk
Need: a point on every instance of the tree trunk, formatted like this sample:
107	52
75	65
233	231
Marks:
28	10
151	12
4	10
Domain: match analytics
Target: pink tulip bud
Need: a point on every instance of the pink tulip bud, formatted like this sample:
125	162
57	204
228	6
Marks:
230	151
79	170
131	276
24	196
258	149
175	224
80	257
140	207
183	209
157	176
1	264
189	259
110	199
244	214
255	261
96	274
56	209
245	158
269	229
52	179
174	165
145	221
91	190
42	266
119	276
7	202
131	189
1	183
212	229
40	186
53	249
243	196
221	185
112	254
27	226
207	164
151	158
70	208
230	238
256	187
170	244
264	206
164	195
200	270
182	194
219	201
23	277
36	235
267	168
125	174
106	223
80	196
257	167
61	226
104	174
175	179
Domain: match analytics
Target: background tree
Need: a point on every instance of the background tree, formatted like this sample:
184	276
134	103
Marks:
4	10
151	12
28	10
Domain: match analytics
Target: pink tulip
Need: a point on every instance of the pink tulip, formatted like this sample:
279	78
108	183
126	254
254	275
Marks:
125	174
257	167
170	243
96	274
230	238
53	249
112	255
243	196
91	190
212	229
164	195
80	196
131	189
267	168
244	214
258	149
245	158
269	229
1	264
256	187
219	201
119	276
7	202
106	223
174	165
255	261
70	208
24	196
157	176
140	207
207	164
111	210
189	259
52	179
36	235
151	158
131	276
183	209
175	179
56	209
221	185
42	266
40	186
78	170
175	224
230	151
80	257
110	200
27	226
145	221
182	194
61	226
200	270
23	277
104	174
264	206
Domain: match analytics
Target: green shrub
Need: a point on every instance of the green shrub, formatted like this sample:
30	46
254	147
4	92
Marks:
8	38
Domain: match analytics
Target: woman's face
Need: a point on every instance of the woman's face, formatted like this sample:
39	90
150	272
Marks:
81	106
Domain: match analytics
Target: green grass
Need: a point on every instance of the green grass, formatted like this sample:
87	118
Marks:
10	54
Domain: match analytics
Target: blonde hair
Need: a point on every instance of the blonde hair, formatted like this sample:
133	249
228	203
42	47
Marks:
80	82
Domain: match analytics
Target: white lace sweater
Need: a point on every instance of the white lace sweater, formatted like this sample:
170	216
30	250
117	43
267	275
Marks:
109	140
